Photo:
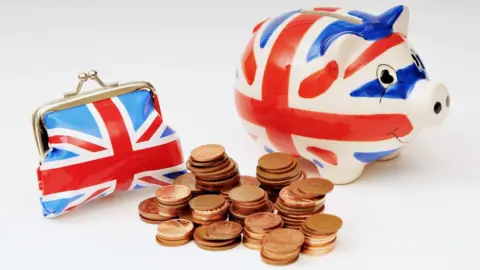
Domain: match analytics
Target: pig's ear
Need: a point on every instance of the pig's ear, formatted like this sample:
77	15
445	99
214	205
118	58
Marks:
398	18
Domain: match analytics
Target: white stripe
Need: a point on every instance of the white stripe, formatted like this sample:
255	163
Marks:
75	160
155	142
126	119
87	191
72	148
101	125
148	122
157	174
79	135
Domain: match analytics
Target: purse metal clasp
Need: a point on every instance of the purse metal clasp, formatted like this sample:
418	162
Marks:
83	77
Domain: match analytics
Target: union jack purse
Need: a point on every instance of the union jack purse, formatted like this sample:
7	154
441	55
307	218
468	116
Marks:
94	143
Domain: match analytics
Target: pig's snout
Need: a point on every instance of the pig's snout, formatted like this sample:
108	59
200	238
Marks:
429	103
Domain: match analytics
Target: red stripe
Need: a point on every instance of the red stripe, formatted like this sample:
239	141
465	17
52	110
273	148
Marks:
77	142
147	135
255	29
249	64
327	156
276	78
373	51
319	82
95	194
153	181
319	125
330	9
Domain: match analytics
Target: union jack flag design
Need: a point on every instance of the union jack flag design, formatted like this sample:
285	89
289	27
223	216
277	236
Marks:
118	143
310	85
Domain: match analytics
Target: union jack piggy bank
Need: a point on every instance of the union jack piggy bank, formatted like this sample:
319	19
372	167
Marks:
340	88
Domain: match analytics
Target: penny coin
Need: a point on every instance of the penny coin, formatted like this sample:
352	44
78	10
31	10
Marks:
207	202
291	201
284	238
251	244
293	174
188	180
276	262
262	221
323	224
148	208
318	251
246	194
224	230
208	152
200	236
172	194
221	248
152	221
214	163
175	229
169	243
314	186
249	181
275	161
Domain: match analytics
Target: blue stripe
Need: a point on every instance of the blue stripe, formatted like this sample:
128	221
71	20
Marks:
273	25
268	149
371	28
167	132
139	105
137	186
406	80
59	154
174	175
318	163
57	206
77	118
367	157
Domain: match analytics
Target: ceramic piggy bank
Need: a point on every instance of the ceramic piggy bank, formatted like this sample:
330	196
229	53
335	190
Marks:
340	88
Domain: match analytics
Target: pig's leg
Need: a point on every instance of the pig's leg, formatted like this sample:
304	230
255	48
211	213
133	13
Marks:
390	157
345	172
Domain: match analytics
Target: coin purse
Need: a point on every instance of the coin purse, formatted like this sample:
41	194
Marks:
97	142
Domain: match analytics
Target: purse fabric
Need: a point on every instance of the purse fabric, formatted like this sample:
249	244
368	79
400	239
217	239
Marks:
118	143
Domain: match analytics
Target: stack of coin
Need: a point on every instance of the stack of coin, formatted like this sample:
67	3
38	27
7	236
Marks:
257	226
207	209
320	233
188	179
218	236
174	232
244	181
247	200
214	170
277	170
148	211
282	246
302	199
172	200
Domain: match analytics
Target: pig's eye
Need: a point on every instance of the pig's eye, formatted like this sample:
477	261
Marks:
386	75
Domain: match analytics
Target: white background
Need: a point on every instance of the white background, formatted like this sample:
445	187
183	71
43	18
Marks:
420	211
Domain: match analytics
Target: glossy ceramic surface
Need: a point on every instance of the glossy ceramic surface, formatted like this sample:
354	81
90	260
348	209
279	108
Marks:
339	88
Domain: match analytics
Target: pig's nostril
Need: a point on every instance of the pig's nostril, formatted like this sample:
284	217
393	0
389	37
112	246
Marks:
437	108
447	102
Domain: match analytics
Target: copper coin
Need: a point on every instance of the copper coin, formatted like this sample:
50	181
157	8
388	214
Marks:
221	248
172	194
214	163
188	180
312	242
252	204
251	245
295	173
148	208
209	169
252	235
277	262
246	180
152	221
323	224
207	152
221	183
280	255
318	251
314	186
275	161
200	236
169	243
213	212
246	194
207	202
284	238
175	229
291	201
224	230
281	207
262	221
287	169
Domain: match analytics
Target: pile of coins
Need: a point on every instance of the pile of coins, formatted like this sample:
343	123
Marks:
320	233
257	226
174	232
148	211
218	236
207	209
282	246
214	170
302	199
188	180
246	200
276	171
172	200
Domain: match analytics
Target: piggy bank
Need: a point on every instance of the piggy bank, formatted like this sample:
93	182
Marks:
339	88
